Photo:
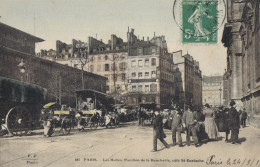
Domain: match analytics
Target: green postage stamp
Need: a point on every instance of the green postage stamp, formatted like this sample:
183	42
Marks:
200	21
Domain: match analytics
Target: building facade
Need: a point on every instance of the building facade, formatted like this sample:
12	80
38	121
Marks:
241	37
18	61
150	73
109	60
212	90
188	80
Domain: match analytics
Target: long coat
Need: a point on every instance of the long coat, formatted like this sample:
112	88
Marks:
189	118
233	117
222	121
158	126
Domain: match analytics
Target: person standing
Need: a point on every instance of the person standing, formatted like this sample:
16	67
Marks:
189	121
234	123
210	125
177	127
243	118
158	132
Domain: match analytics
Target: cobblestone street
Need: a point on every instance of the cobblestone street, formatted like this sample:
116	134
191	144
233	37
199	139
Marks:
128	145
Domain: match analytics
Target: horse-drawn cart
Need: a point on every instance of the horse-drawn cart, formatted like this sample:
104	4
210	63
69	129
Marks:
20	106
92	106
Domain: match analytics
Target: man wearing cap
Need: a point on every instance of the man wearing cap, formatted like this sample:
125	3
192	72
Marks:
234	124
158	132
189	121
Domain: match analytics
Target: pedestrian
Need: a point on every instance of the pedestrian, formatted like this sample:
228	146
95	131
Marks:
177	127
189	121
243	118
222	121
47	118
210	125
234	123
158	132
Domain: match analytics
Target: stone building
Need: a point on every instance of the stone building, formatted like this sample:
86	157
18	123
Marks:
18	61
241	37
150	73
188	80
109	60
212	90
73	55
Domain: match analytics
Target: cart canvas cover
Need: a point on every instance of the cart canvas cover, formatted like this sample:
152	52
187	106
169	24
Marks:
17	91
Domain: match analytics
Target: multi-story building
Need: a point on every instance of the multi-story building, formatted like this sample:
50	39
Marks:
109	60
150	73
212	90
17	51
188	80
73	55
241	36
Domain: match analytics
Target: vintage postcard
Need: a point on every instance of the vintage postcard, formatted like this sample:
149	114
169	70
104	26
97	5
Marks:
129	83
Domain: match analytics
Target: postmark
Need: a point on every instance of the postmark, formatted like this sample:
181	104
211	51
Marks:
199	20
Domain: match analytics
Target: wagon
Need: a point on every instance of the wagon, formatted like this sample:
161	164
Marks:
62	116
90	101
20	106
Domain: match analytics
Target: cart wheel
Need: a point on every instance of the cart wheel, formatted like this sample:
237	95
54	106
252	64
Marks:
66	125
18	121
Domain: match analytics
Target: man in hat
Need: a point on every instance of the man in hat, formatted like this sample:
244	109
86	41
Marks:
158	132
234	124
189	121
177	127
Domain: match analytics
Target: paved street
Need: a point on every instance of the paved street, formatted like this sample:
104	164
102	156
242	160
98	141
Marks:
128	145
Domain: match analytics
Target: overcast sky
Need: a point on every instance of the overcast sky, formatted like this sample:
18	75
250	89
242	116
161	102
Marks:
67	19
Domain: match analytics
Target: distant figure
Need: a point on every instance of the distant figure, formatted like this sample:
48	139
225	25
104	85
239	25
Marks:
158	132
243	118
210	125
234	125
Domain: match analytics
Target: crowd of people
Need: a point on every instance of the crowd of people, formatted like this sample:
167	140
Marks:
200	124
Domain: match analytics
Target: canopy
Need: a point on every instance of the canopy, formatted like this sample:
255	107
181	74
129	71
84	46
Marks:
48	105
17	91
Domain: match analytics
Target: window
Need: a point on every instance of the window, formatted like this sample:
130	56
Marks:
99	57
153	87
134	88
106	67
153	50
153	62
123	77
140	75
133	63
146	62
106	57
140	87
146	74
140	63
122	66
153	74
146	88
99	68
140	51
133	74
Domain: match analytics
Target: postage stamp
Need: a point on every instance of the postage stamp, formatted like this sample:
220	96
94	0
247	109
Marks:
200	20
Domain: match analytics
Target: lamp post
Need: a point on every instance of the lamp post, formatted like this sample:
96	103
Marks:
220	89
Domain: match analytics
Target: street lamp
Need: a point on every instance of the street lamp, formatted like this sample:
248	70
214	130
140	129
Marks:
220	89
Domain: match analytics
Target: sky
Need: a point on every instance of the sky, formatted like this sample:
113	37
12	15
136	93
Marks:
65	20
